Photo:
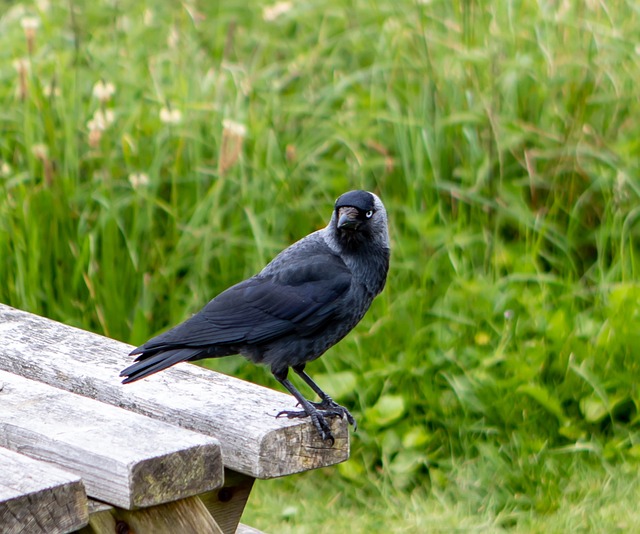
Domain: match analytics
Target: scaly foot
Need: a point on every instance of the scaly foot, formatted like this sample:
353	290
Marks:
329	405
318	420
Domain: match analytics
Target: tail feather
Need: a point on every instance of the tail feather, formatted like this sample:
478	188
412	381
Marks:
157	362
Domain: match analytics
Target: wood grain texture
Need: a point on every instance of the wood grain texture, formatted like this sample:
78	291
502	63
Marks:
240	414
38	498
123	458
186	516
246	529
226	504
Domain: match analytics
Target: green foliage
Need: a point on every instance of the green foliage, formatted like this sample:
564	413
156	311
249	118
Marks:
500	364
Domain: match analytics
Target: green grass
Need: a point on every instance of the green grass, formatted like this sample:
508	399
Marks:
594	498
495	379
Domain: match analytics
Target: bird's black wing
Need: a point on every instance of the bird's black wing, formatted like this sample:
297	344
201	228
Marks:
301	297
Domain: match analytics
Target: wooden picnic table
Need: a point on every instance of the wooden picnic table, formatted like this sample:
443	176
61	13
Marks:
176	452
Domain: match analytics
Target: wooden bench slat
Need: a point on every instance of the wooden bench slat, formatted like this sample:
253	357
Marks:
186	516
240	414
246	529
36	497
227	503
124	458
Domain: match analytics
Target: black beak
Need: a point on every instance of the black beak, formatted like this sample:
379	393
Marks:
348	218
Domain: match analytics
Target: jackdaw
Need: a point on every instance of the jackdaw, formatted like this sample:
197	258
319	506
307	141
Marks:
303	302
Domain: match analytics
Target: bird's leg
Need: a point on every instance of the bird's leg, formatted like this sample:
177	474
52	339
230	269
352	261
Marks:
309	410
326	403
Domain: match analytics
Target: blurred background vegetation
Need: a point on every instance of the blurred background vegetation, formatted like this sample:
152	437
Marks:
154	153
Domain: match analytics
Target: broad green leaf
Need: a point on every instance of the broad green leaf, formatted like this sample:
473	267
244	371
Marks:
337	385
388	409
572	432
593	409
407	462
416	437
544	399
352	470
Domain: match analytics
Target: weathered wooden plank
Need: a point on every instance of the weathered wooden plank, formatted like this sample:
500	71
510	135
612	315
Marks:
104	519
186	516
226	504
246	529
124	458
38	498
241	415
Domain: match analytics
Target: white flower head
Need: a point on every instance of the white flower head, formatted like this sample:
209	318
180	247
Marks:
22	65
40	151
51	89
103	91
30	24
101	119
43	5
170	116
147	17
234	128
5	169
138	179
233	134
271	13
123	23
173	38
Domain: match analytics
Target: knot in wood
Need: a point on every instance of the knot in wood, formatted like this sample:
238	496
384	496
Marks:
225	494
122	527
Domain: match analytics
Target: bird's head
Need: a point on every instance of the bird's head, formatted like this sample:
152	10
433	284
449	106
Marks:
359	218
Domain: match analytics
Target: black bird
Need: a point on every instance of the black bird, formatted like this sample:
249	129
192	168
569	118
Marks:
303	302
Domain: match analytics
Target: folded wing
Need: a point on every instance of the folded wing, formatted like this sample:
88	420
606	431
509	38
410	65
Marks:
302	298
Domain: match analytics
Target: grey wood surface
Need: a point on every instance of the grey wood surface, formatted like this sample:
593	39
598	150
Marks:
123	458
38	498
240	414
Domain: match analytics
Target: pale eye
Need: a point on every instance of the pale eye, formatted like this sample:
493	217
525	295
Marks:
369	214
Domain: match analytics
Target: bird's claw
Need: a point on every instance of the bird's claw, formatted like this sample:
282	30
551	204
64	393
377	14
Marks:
318	420
329	405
